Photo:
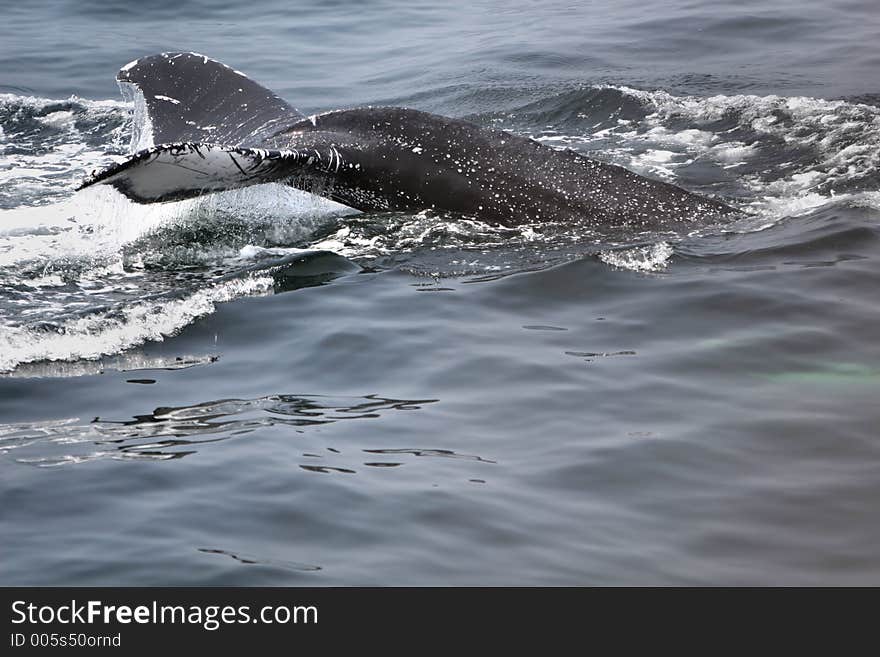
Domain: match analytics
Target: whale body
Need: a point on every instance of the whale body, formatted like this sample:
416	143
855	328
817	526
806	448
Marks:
215	129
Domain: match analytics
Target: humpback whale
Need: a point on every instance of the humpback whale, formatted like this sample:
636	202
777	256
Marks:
215	129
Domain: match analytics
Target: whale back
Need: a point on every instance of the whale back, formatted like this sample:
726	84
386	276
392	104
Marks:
214	129
188	97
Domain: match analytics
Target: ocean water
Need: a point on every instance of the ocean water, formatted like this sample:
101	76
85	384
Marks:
263	388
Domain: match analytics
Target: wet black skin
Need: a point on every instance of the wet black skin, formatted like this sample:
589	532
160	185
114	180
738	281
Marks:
410	160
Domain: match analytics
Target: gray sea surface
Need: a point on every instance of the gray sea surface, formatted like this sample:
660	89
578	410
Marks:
262	388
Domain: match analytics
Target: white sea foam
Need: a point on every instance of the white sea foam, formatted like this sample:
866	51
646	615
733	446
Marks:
653	257
107	333
834	146
846	136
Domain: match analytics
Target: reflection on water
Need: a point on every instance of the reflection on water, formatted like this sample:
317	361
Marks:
175	432
133	361
427	452
252	560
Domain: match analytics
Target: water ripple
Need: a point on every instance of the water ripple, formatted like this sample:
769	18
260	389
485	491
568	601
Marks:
174	432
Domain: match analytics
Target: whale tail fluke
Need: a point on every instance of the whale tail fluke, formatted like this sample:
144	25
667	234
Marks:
173	172
201	129
188	97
